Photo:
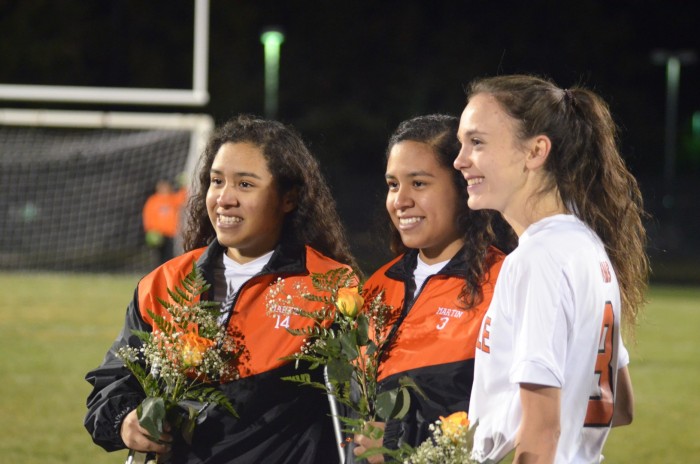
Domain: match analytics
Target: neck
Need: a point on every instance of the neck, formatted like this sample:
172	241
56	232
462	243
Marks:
437	255
536	208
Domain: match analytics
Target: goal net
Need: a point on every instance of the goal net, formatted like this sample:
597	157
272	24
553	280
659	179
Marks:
73	185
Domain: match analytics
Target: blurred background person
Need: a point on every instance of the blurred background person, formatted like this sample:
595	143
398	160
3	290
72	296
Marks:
161	218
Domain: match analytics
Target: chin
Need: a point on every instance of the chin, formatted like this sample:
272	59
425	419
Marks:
475	204
408	243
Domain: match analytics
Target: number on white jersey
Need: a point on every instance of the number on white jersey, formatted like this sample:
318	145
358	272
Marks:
602	399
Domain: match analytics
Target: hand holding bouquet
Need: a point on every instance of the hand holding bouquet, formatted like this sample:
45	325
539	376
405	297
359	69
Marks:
347	337
181	360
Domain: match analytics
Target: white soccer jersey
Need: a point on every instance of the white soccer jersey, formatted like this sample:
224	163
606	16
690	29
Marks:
554	321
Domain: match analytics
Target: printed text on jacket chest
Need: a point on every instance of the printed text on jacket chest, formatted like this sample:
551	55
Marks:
446	315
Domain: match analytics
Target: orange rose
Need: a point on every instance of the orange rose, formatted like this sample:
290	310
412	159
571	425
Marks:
454	424
193	349
349	301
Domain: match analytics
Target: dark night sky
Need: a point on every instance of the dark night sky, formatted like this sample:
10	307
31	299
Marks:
350	71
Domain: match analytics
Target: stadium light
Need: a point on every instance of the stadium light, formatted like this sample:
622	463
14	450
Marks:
272	39
673	61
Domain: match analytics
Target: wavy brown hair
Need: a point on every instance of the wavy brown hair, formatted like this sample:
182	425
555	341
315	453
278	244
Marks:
314	221
479	229
585	167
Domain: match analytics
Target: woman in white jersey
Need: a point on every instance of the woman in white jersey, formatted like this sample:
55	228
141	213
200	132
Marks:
551	369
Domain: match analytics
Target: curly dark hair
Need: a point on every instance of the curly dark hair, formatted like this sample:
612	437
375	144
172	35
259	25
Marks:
586	169
479	229
314	221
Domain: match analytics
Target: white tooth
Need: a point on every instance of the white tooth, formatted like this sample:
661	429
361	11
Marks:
410	220
229	219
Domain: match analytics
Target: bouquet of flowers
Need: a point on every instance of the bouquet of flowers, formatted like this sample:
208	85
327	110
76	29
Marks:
451	442
348	338
180	361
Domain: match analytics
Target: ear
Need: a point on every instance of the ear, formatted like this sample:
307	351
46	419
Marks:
289	200
539	148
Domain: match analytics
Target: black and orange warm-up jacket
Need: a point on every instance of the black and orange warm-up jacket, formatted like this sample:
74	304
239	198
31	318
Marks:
432	339
280	422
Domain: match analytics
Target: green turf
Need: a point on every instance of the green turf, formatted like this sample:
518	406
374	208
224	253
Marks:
55	327
665	370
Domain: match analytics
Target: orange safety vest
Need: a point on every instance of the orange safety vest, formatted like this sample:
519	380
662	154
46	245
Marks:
161	212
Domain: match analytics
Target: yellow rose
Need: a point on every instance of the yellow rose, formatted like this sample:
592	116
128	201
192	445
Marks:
454	424
193	349
349	301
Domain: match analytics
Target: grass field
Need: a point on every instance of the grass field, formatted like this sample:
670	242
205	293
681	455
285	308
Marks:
55	327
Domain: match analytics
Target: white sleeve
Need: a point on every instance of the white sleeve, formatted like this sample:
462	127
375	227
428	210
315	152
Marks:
541	298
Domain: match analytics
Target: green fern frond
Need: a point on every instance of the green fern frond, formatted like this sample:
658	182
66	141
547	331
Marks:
161	323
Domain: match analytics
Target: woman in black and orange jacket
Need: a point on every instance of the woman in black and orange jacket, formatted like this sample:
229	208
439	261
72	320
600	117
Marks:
439	284
261	211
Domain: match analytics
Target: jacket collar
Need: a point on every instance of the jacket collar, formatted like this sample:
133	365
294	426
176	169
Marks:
405	266
286	259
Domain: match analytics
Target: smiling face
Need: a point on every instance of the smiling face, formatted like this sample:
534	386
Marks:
243	202
422	201
492	159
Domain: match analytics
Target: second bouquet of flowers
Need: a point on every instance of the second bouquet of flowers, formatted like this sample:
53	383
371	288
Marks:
348	339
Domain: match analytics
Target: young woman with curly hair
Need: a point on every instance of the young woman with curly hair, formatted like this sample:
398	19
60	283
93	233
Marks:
261	211
439	284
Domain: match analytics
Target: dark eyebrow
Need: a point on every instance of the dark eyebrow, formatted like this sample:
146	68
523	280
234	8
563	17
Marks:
420	173
411	174
237	174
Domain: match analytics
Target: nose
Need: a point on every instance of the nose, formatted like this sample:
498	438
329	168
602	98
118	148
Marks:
462	161
227	197
402	198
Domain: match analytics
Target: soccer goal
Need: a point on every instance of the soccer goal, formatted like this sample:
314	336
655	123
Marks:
73	184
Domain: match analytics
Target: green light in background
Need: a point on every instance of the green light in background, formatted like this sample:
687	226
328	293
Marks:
696	124
272	40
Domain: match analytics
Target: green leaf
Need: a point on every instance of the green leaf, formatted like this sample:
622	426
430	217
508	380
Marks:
333	346
362	330
151	414
145	337
371	349
187	426
384	403
339	371
348	345
407	382
299	378
393	404
403	402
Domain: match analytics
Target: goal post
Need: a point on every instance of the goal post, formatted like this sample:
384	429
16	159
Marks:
198	95
73	184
